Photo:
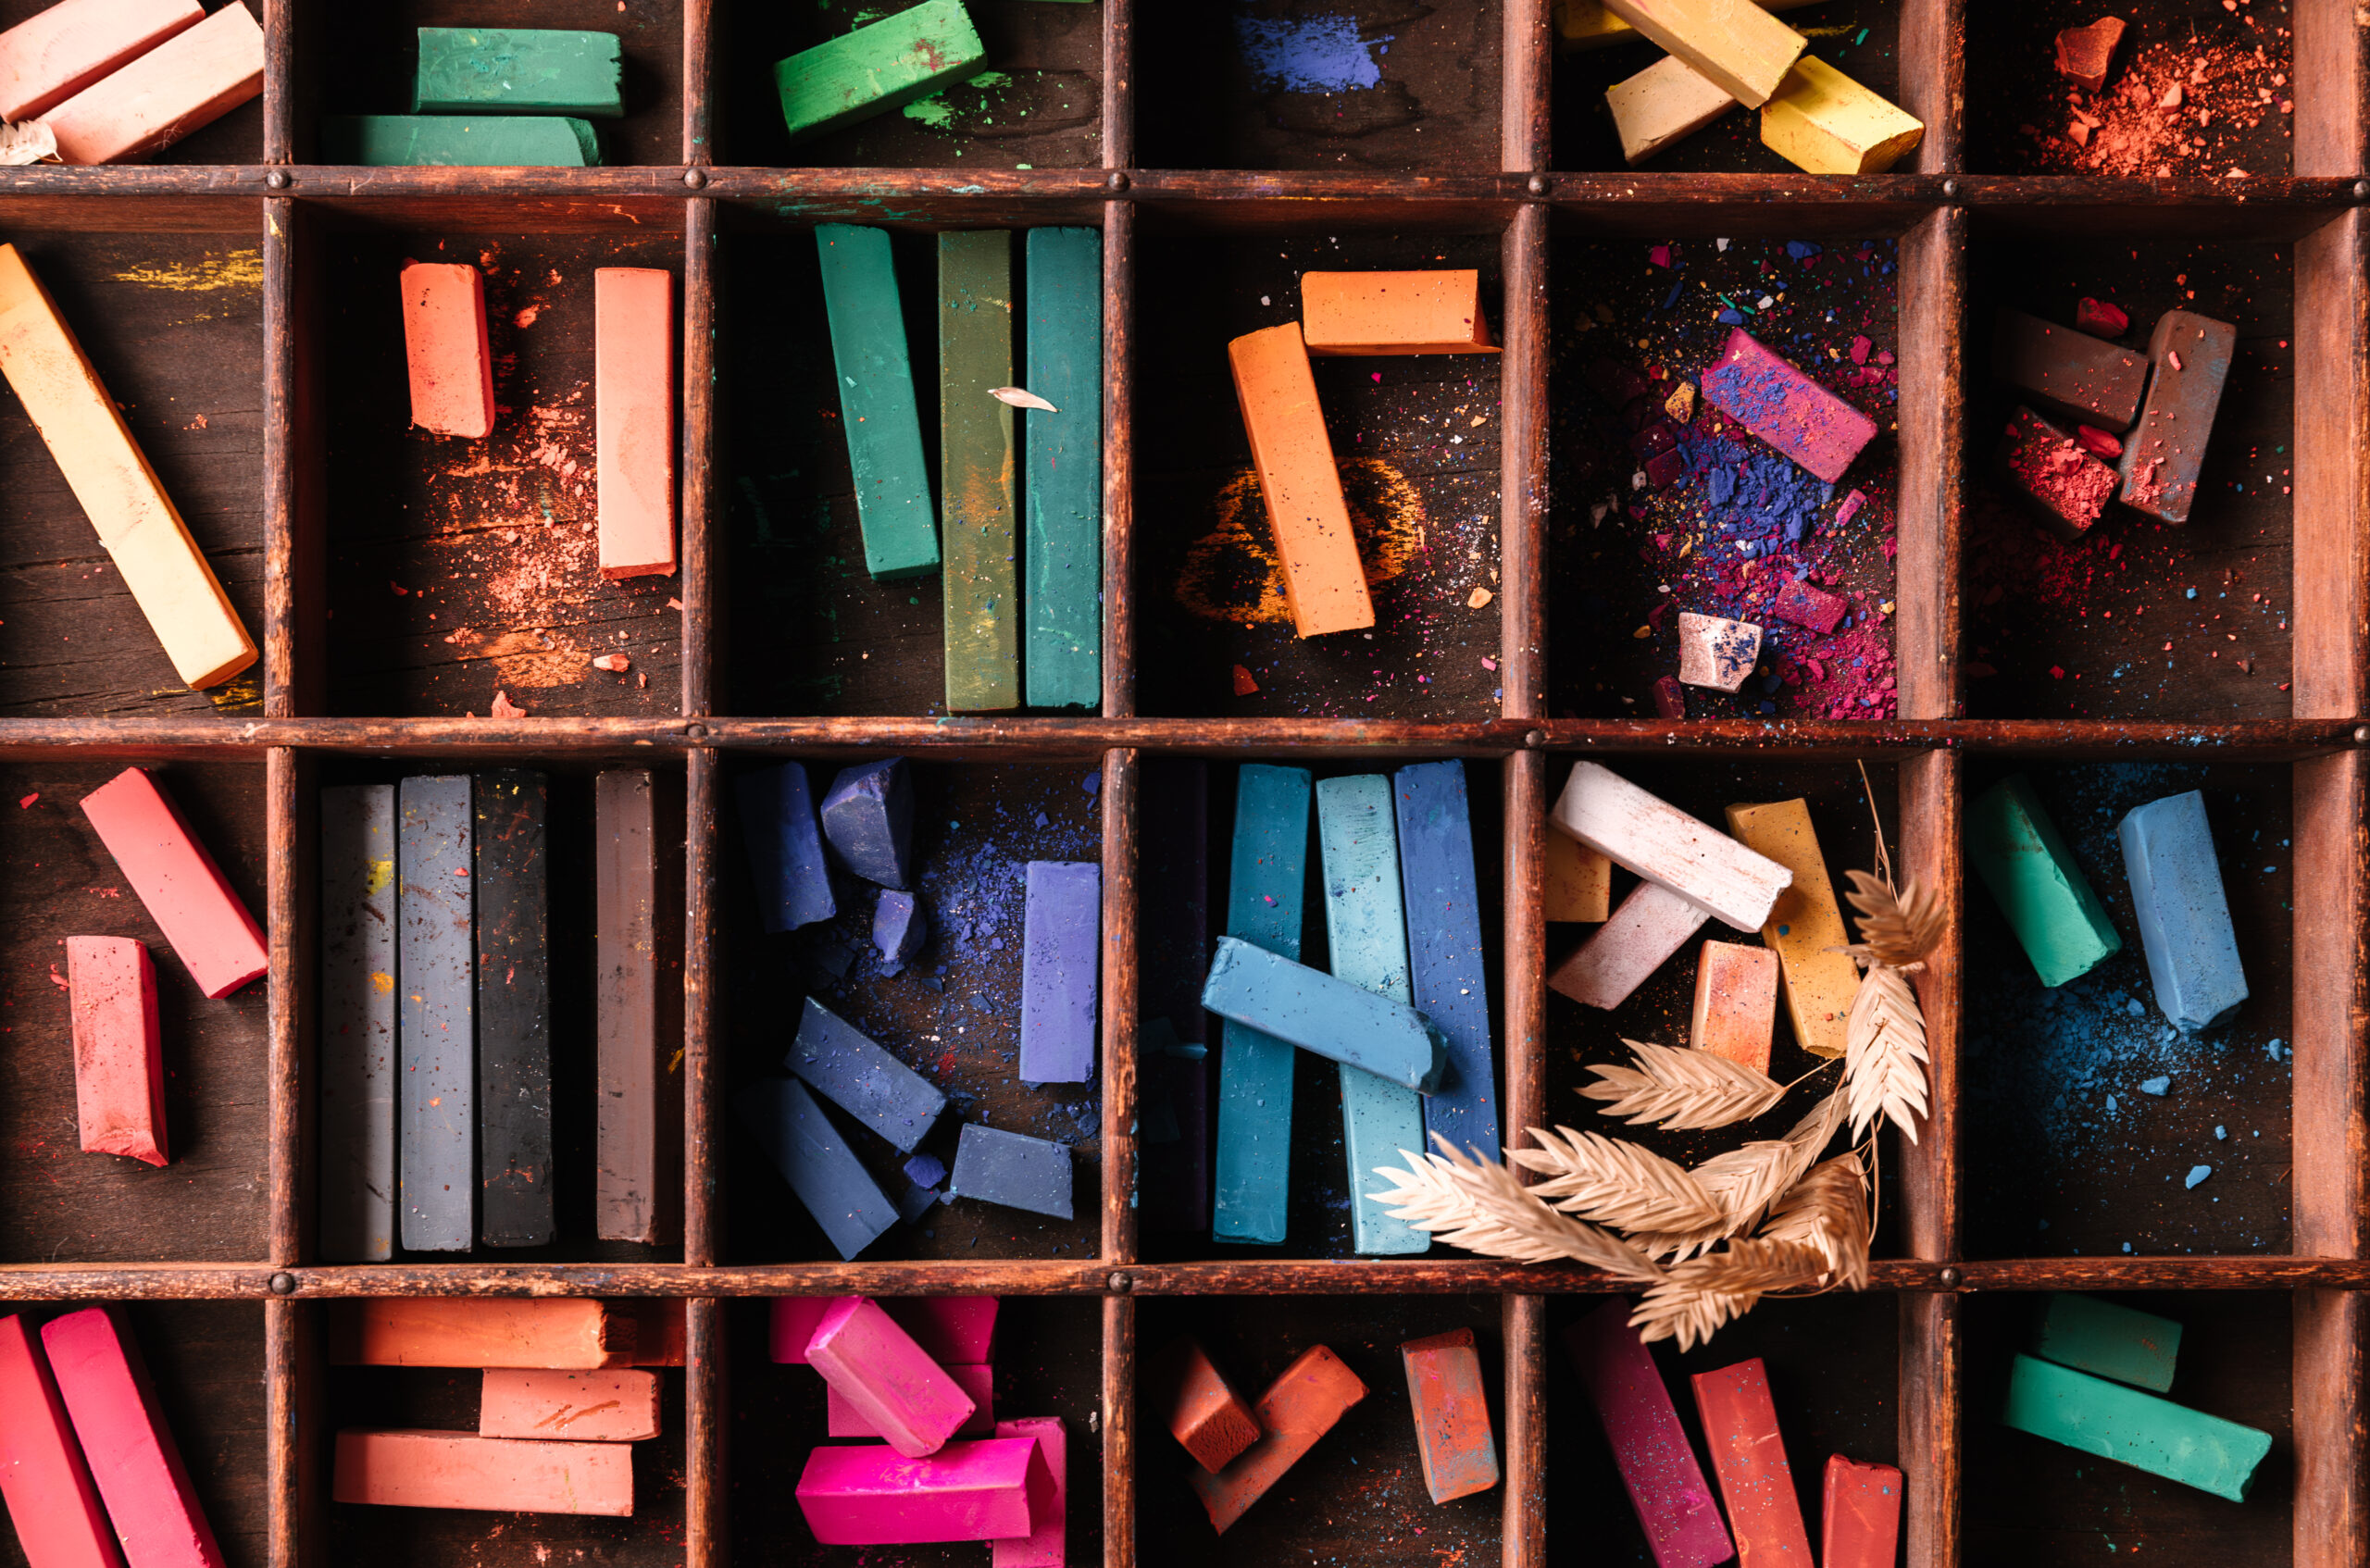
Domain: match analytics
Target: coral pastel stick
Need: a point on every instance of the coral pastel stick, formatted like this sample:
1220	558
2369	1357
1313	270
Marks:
119	1061
185	891
1748	1454
47	1487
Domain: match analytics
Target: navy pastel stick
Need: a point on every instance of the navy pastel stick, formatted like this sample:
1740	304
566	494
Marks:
845	1066
1450	971
785	848
817	1162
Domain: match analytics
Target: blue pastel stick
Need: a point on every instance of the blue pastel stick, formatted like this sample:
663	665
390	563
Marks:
1012	1169
1063	467
1366	929
869	817
1255	1070
1061	959
1316	1012
436	1015
1448	970
2183	918
785	848
845	1066
817	1162
900	926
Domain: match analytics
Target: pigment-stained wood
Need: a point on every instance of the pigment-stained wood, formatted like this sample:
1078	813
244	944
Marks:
184	84
517	71
1393	313
461	141
510	841
579	1407
410	1469
136	521
1063	491
43	1477
151	1503
536	1333
436	1031
1733	43
637	1007
877	409
1823	122
879	67
357	1024
1254	1109
445	343
1805	926
1667	102
61	49
118	1059
975	451
208	923
633	310
1324	581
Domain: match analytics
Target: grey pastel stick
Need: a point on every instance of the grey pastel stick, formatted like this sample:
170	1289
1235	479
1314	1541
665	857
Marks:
436	1013
357	1049
637	1005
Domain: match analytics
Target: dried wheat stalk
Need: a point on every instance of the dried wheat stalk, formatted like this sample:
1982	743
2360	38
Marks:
1610	1182
1884	1053
1899	930
1483	1207
1701	1295
1682	1090
1828	1210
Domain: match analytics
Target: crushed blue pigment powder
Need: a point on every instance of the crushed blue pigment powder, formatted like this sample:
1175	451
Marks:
1315	55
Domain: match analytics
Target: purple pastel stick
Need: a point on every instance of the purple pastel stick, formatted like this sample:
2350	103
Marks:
1667	1486
1045	1544
841	1419
1060	960
871	1494
879	1370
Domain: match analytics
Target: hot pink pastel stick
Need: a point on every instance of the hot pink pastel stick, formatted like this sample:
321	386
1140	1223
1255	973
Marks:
1048	1498
841	1419
870	1495
951	1330
138	1471
889	1380
1774	400
1666	1486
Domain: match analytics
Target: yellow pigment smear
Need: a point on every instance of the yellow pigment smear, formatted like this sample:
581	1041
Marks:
1230	573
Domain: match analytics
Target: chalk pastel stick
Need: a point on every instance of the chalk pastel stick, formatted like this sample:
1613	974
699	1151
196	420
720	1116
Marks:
2066	373
2094	1416
843	1063
1715	652
1446	961
900	927
1298	1408
978	472
1012	1169
1776	401
867	816
1063	453
1651	926
1735	1002
1365	927
617	1406
1823	122
1666	102
785	848
414	1469
880	66
879	1369
1047	1543
185	84
143	532
877	413
1452	1437
138	1472
2018	854
1805	926
1270	854
59	50
1577	879
2184	916
2189	358
1185	1389
2108	1340
1325	582
357	1024
185	892
1393	313
1317	1012
1061	963
1860	1523
1749	1456
1586	24
460	140
547	1333
1738	45
817	1162
1664	845
508	70
43	1477
633	418
436	1024
118	1057
637	1006
844	1418
510	841
951	1330
1658	1467
871	1494
445	349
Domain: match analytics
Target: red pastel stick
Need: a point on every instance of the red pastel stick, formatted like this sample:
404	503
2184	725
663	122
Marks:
1452	1436
1298	1408
209	928
1740	1428
138	1472
1860	1526
42	1479
1774	400
119	1061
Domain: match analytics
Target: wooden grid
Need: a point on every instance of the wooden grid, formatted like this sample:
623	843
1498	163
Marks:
1934	210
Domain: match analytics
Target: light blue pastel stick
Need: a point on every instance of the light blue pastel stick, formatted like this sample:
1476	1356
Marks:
1445	959
1270	858
1317	1012
2183	918
1365	927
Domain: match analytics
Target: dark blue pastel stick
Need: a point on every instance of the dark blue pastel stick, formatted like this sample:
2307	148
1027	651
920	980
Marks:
900	926
785	848
1012	1169
1271	806
868	817
1061	960
817	1162
840	1063
1450	973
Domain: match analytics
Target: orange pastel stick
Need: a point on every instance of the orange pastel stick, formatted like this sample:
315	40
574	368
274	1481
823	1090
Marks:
1324	580
1372	313
445	343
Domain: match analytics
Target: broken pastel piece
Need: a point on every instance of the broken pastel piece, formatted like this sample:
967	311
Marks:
1804	605
118	1058
1860	1521
845	1066
821	1169
1823	122
1047	1543
1454	1442
1658	1466
2068	374
1061	963
2056	475
2108	1340
2094	1416
881	64
867	1494
1203	1412
202	916
2021	857
1736	1003
868	814
1012	1169
1298	1408
2085	53
1658	841
1776	401
900	926
2184	916
876	1366
1667	102
785	848
2191	354
1317	1011
1651	926
1717	653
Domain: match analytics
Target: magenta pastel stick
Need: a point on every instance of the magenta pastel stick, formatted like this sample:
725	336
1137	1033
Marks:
139	1473
841	1419
870	1495
1049	1492
1774	400
951	1330
877	1366
1667	1486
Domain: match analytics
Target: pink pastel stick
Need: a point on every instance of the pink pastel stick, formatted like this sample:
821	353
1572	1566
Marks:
1768	396
951	1330
191	900
877	1366
1044	1546
133	1463
841	1419
1650	926
42	1479
1665	1484
871	1494
118	1060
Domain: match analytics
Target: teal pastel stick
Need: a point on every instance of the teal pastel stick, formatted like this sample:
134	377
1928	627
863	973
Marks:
2108	1340
2098	1417
1366	928
877	409
2022	858
1317	1011
1254	1180
460	140
1063	468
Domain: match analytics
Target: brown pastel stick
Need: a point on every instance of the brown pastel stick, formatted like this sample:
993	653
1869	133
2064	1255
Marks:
1202	1408
2161	460
2067	373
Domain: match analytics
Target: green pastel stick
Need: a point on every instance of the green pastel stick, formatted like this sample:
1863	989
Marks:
460	141
1063	489
881	67
877	408
2020	854
1366	928
2100	1337
1263	905
983	578
519	70
2123	1424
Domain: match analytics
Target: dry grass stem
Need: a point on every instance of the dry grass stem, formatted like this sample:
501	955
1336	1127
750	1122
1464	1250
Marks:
1610	1182
1483	1207
1898	930
1703	1294
1828	1210
1884	1053
1681	1089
